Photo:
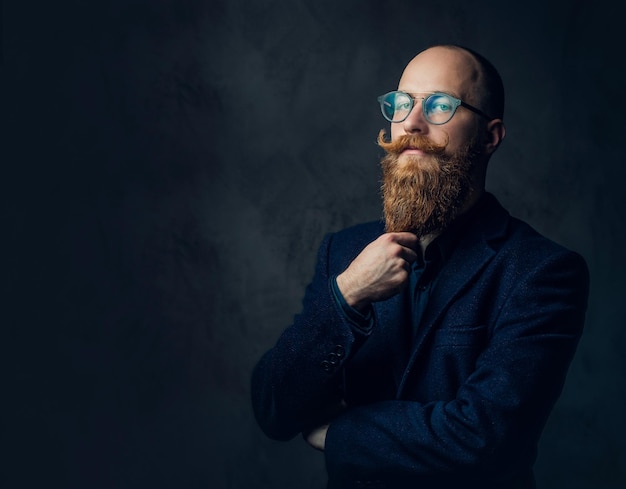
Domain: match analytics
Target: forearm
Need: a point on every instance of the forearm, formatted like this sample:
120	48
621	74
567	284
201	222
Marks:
491	428
301	376
411	440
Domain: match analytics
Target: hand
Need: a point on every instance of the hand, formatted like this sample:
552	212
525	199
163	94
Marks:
317	437
380	270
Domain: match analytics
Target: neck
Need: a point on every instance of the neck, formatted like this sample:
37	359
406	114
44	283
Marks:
474	196
426	240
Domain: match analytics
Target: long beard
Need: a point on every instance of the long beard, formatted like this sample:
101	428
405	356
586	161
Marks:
423	194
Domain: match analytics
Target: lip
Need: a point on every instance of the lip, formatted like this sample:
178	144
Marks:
413	151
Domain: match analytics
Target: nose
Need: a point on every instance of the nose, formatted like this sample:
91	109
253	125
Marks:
415	122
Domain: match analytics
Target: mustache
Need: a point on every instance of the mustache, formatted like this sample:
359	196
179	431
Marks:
410	141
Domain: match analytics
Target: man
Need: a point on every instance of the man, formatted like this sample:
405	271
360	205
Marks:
430	348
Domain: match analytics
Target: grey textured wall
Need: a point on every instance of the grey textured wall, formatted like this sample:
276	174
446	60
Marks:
170	168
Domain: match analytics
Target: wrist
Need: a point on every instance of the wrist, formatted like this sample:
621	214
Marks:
351	293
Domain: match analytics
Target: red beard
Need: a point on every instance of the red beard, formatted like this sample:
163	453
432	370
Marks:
423	194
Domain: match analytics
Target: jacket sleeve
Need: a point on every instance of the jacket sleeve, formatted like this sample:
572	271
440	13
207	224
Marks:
493	424
297	384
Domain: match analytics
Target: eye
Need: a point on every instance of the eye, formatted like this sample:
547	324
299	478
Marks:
403	105
401	102
439	104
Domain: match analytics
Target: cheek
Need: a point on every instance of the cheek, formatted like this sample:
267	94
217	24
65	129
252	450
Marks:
458	137
396	130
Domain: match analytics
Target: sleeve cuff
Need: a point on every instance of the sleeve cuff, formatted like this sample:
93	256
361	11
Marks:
361	322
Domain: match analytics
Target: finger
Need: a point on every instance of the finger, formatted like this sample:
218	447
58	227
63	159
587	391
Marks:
406	239
408	254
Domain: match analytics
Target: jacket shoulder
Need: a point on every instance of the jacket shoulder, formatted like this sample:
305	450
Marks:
527	238
526	252
513	236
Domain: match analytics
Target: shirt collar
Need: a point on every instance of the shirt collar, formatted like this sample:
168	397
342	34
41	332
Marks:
442	246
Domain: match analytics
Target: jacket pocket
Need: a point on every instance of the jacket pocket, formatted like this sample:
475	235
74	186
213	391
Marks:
460	336
449	360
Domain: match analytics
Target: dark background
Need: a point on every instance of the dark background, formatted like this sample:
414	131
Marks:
169	170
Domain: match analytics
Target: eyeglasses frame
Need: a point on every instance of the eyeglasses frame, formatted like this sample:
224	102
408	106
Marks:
457	102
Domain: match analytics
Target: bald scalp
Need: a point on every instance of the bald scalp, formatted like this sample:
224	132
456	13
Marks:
487	86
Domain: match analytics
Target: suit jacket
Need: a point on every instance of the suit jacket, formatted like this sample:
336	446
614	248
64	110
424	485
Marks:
460	404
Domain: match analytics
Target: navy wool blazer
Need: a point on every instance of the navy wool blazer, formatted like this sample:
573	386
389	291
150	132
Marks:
460	404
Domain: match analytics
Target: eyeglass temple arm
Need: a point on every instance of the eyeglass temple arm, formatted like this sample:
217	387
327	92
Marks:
476	111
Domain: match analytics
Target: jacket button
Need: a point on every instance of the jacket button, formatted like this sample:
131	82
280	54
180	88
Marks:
339	351
325	365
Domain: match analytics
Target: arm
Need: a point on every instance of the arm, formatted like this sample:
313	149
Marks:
296	386
493	424
295	379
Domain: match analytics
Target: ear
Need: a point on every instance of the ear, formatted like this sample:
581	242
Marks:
494	135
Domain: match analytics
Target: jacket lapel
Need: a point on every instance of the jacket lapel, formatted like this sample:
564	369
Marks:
473	252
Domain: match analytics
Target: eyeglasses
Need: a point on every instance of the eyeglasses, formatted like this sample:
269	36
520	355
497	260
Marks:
438	108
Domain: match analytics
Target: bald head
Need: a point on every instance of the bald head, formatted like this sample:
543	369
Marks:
479	79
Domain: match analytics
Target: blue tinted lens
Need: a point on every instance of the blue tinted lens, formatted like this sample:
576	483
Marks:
439	108
396	106
387	105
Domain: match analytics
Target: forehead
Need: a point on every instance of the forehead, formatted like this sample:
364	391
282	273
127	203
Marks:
441	69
